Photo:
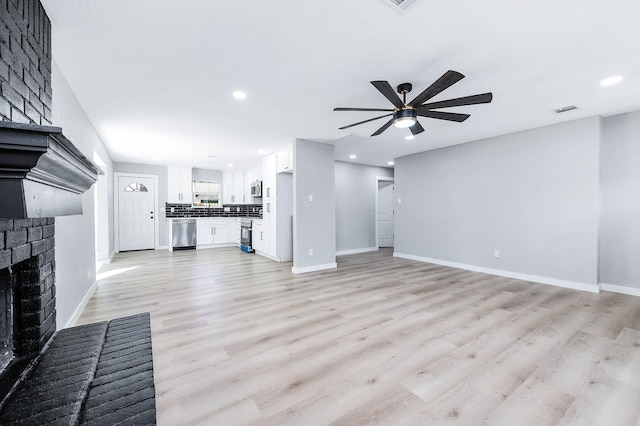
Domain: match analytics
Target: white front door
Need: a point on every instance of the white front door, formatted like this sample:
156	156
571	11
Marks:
136	213
385	214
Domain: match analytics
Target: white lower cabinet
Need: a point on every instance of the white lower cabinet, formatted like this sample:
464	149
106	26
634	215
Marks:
234	230
213	231
259	238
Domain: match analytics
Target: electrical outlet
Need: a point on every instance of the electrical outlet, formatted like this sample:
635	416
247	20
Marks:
310	252
496	253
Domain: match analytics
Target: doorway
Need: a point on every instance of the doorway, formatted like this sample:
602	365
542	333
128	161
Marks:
384	212
136	212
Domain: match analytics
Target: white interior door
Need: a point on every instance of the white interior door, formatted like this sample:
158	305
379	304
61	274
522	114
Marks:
136	213
385	214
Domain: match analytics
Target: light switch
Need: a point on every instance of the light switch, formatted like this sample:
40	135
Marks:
310	197
399	200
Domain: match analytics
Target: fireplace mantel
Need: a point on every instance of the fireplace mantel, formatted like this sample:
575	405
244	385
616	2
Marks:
42	174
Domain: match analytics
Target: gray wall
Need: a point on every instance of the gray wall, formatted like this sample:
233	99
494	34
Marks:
313	221
533	195
620	197
75	235
207	175
161	172
356	189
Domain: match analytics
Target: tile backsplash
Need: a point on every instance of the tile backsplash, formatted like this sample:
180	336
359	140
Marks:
231	210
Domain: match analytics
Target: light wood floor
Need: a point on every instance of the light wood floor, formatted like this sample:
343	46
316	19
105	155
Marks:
238	339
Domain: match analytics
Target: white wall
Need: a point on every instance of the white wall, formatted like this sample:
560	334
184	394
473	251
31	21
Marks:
620	210
314	225
532	195
356	190
75	235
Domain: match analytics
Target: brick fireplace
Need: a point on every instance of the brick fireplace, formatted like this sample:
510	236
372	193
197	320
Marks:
27	277
27	259
42	175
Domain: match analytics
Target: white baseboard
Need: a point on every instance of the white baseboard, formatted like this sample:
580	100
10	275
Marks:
574	285
314	268
107	261
210	246
274	258
162	247
631	291
355	251
83	303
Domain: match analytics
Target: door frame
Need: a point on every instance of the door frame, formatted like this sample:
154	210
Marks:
378	180
116	211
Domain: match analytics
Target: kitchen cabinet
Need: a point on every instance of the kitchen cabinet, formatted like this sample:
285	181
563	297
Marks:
277	211
235	188
213	231
179	181
269	171
284	159
238	193
259	236
234	230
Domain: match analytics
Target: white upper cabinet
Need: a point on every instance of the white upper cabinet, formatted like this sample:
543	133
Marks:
285	159
236	187
227	187
179	185
269	165
232	188
238	193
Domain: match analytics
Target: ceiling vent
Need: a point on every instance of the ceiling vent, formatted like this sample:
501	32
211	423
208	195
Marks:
399	6
565	109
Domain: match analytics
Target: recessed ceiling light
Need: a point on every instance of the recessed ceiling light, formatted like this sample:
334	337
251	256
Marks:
389	163
611	80
229	165
239	95
409	137
261	151
353	156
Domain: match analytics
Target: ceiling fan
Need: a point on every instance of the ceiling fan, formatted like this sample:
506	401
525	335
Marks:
406	114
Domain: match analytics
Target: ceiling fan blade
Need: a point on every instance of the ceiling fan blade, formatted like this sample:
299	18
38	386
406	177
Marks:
447	80
361	109
416	129
385	88
365	121
383	128
441	115
483	98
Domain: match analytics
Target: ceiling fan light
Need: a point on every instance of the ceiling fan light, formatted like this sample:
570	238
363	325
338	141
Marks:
404	122
404	118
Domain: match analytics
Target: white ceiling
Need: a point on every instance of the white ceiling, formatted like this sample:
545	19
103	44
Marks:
155	77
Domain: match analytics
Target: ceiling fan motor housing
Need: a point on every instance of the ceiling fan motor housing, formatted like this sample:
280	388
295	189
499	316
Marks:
405	117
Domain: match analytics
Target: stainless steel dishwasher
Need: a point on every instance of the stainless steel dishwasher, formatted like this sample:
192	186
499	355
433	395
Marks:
184	234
